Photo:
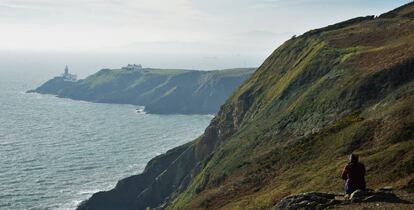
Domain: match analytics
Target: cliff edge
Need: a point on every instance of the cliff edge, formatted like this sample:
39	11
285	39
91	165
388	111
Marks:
344	88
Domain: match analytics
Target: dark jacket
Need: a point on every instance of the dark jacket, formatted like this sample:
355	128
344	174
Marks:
354	174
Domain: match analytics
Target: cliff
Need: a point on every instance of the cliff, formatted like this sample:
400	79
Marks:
346	88
161	91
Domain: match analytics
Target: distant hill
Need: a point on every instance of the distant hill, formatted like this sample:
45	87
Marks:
162	91
346	88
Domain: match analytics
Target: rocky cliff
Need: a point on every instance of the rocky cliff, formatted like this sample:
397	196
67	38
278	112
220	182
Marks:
344	88
161	91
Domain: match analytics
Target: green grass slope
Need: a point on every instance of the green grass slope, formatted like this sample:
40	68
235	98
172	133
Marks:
164	91
332	91
344	88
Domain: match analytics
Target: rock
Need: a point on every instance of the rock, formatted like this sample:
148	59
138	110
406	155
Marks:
317	200
374	196
386	188
381	196
358	195
311	200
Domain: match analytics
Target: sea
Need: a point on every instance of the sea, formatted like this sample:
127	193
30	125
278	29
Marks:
56	152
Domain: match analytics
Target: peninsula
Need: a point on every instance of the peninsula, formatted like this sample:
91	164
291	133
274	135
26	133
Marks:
161	91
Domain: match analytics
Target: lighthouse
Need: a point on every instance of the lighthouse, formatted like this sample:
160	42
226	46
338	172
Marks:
67	76
66	70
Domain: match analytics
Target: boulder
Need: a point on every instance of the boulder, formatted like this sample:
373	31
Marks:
311	200
384	195
318	200
358	195
381	196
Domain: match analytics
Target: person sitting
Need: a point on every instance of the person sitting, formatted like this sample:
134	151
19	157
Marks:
354	175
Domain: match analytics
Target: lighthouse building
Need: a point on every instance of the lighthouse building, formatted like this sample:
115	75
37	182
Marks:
67	76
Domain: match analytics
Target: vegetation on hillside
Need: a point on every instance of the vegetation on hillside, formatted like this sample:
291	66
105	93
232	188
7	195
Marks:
164	91
346	88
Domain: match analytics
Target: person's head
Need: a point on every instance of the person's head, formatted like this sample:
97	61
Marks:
353	158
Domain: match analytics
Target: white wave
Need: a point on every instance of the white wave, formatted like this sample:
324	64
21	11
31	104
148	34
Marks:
88	191
69	206
140	110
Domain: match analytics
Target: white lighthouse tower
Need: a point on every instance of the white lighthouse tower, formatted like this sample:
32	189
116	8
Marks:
66	70
67	76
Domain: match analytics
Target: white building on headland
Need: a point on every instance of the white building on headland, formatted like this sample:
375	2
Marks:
133	67
68	77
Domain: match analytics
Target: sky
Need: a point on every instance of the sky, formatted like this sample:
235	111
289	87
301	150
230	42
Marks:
209	33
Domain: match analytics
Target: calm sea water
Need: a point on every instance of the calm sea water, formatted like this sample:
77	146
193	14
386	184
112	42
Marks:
56	152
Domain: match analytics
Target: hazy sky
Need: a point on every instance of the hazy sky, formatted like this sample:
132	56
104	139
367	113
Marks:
206	28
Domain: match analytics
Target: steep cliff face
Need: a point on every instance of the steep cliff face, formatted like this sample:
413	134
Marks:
332	91
161	91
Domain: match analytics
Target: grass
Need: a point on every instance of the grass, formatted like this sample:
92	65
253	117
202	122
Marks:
113	75
305	109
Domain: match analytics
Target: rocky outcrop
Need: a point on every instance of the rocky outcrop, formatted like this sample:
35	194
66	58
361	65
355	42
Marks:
129	191
318	200
55	86
311	200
